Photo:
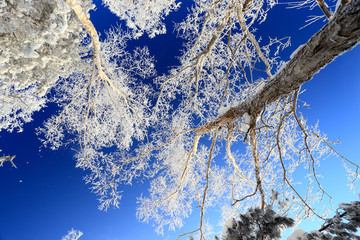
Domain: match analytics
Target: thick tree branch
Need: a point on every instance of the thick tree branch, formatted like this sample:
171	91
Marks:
340	34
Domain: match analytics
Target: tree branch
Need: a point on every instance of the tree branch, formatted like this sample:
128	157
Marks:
7	158
340	34
256	159
206	187
323	7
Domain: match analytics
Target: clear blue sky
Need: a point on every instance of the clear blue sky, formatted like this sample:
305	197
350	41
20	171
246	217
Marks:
45	196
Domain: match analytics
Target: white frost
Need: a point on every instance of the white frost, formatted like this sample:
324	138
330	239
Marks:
338	3
72	235
223	110
298	234
245	125
228	224
296	51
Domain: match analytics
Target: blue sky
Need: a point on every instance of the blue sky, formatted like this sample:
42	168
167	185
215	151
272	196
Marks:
45	196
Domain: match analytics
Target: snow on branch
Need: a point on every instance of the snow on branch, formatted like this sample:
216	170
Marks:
72	235
220	101
270	107
341	34
7	159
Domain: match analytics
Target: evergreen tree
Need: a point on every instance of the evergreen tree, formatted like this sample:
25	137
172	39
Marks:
343	225
258	224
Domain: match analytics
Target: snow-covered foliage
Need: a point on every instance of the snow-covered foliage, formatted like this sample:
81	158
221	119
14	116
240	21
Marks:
224	95
217	73
124	134
143	16
72	235
297	234
17	107
257	224
40	41
344	225
105	112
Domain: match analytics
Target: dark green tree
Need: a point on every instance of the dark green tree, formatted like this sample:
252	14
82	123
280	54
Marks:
343	226
258	224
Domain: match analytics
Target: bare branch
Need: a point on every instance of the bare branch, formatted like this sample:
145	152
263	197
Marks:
206	186
256	159
323	7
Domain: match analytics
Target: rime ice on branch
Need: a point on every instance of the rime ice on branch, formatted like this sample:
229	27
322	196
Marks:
7	159
230	89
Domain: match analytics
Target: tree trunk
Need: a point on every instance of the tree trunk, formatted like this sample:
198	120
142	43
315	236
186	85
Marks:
339	35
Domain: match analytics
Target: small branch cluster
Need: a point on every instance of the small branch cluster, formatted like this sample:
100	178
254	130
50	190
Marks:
72	235
7	159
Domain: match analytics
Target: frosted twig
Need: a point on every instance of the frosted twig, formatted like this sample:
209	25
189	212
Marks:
9	158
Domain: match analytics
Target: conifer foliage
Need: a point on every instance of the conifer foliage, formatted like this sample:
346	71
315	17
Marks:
257	224
344	225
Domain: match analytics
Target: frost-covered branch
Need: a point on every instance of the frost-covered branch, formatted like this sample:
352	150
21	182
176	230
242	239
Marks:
344	225
255	156
40	42
143	16
7	159
72	235
276	146
230	91
339	35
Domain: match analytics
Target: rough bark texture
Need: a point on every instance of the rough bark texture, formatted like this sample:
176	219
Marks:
339	35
